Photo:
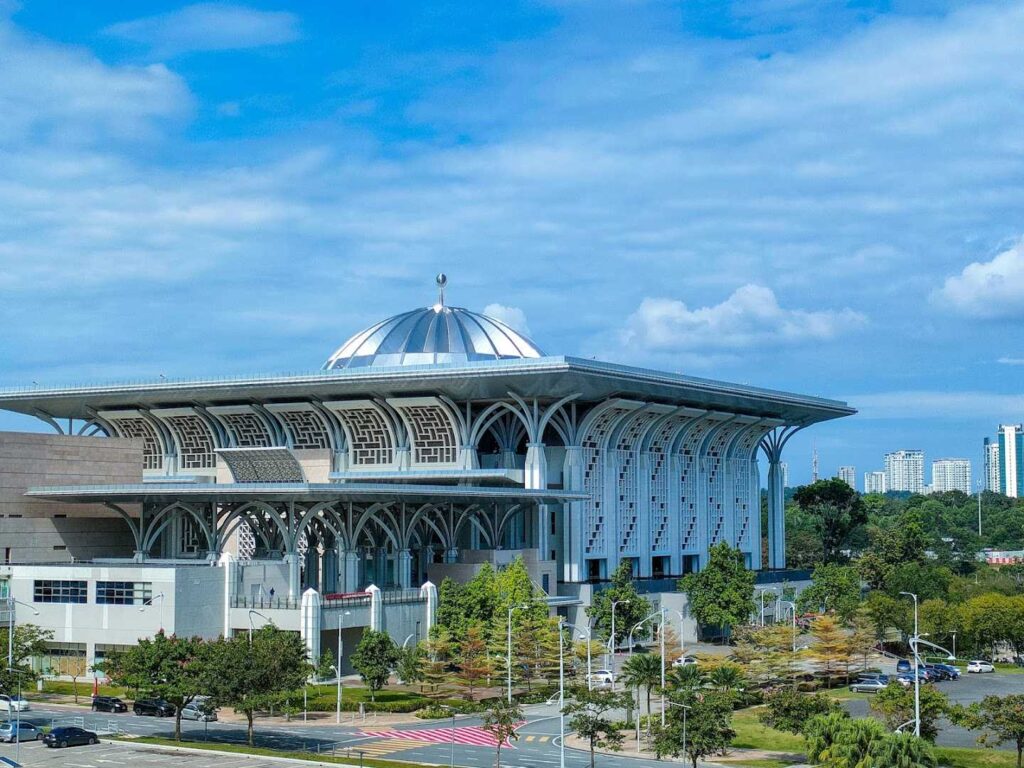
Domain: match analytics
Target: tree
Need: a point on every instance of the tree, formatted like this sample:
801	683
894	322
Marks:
535	649
472	662
831	649
837	510
374	659
722	594
437	653
501	720
787	709
173	668
903	750
643	670
855	743
29	641
833	588
821	734
1001	717
727	678
884	612
631	608
325	665
896	706
840	742
410	664
861	641
708	728
251	676
589	716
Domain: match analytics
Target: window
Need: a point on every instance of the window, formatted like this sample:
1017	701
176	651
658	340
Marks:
52	591
123	592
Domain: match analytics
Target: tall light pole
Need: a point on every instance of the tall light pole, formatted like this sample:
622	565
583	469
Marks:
661	631
981	487
561	695
683	707
917	678
590	676
770	590
251	626
451	763
11	602
508	657
611	641
337	703
337	669
17	724
682	644
160	597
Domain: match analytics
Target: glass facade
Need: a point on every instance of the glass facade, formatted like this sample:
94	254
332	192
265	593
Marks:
54	591
123	592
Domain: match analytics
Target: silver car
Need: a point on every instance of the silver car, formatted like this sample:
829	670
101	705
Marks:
14	731
869	685
198	710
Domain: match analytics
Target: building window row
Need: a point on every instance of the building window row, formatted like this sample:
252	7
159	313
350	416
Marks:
123	592
55	591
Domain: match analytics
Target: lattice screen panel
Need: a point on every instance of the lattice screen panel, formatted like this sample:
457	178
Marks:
195	443
138	428
370	438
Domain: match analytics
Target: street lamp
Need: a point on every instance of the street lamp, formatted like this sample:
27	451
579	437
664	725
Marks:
561	693
251	626
17	723
770	590
508	657
682	644
917	678
337	669
337	705
611	641
981	487
11	602
792	609
683	707
160	597
451	763
590	676
637	626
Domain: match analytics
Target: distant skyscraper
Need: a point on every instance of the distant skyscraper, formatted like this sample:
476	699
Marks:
1011	460
992	465
874	482
814	465
849	476
904	471
951	475
785	473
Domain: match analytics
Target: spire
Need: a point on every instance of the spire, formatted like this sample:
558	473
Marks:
442	281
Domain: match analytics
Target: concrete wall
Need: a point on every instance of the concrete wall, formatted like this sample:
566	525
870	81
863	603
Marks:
199	595
36	530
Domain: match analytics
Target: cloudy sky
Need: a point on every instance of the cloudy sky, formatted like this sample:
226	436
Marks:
816	196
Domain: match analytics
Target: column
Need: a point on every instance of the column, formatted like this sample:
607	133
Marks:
429	591
348	570
292	559
644	512
309	622
376	608
535	476
776	515
403	568
451	555
572	530
380	566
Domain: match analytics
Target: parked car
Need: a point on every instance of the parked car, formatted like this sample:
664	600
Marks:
108	704
24	731
69	736
13	703
949	669
198	710
937	672
980	665
904	665
905	680
603	677
685	661
154	707
869	685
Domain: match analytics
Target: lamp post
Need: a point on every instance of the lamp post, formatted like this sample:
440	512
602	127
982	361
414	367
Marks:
337	703
981	487
636	627
160	597
954	646
661	631
251	626
770	590
611	641
337	669
683	707
11	602
590	676
451	762
508	657
917	678
682	644
561	694
792	610
17	723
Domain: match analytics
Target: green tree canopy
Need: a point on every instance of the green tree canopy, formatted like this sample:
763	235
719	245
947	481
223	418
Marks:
837	510
374	659
590	717
1001	718
29	640
722	594
708	728
896	706
631	608
833	588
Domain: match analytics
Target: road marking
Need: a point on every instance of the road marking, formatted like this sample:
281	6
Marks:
385	747
472	735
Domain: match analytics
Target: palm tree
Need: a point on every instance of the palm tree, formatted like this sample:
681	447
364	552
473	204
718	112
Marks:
684	679
643	670
903	750
727	678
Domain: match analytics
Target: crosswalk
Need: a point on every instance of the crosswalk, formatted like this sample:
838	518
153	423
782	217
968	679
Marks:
467	735
383	747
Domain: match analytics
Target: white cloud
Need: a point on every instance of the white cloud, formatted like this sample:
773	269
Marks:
988	289
750	317
208	27
929	404
1011	361
513	317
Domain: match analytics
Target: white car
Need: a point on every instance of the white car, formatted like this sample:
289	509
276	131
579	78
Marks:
198	711
12	703
685	661
977	665
602	678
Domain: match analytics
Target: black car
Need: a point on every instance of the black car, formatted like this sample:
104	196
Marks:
108	704
68	736
154	707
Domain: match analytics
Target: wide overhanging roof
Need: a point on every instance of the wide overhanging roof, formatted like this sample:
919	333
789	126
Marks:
546	377
297	492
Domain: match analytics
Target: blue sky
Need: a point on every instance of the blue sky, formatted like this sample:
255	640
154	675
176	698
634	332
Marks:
815	196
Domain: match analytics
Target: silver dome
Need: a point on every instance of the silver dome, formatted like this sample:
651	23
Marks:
430	336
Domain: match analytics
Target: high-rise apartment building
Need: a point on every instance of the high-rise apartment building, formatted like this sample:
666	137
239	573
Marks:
904	471
849	476
874	482
1011	460
951	475
992	465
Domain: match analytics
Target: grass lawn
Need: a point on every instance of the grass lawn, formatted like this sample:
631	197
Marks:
976	758
245	750
750	734
67	688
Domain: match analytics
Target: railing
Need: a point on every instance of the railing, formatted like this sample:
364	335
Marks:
343	601
73	722
402	596
267	603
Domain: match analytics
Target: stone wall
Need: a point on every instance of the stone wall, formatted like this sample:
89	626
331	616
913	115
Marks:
37	530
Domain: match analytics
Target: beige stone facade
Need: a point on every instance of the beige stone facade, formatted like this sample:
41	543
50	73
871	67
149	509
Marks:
36	530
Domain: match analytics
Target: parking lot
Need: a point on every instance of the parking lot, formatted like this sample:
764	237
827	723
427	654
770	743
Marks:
107	755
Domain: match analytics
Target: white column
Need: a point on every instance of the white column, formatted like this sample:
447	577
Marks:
572	531
376	608
309	622
644	512
292	559
350	570
429	591
403	562
536	477
776	516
